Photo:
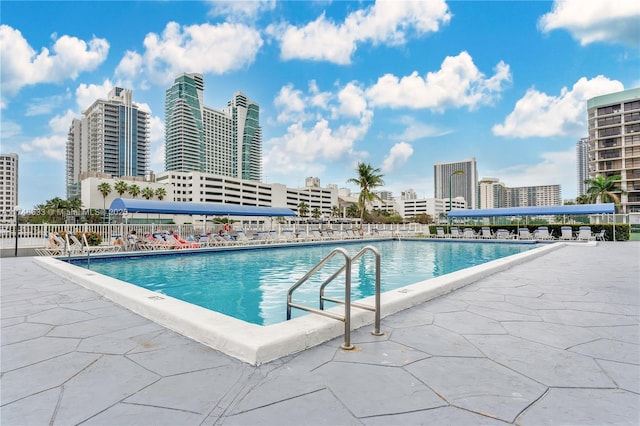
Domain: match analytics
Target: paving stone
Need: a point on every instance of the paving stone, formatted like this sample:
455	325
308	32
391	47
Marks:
626	376
479	385
610	350
109	380
585	319
96	326
39	377
196	392
584	407
628	334
557	335
139	415
119	341
436	416
317	408
22	331
550	366
191	357
435	340
32	351
364	389
468	323
37	409
381	353
59	316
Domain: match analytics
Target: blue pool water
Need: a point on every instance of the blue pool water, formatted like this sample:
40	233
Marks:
252	284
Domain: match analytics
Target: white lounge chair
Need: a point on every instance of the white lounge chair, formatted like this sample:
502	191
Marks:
600	236
440	233
585	234
566	233
503	234
524	234
469	234
486	232
542	233
455	232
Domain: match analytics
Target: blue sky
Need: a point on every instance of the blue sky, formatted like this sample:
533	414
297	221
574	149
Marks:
397	84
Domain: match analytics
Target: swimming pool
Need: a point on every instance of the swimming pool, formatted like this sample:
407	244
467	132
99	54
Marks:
251	285
257	344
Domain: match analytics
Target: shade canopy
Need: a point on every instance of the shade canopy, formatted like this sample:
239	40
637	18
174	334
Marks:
131	205
575	209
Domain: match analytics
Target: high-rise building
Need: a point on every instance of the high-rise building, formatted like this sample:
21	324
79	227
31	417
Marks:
529	196
198	138
112	138
8	187
408	194
449	182
491	194
614	143
582	163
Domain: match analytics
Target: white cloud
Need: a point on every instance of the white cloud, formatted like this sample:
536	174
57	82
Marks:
458	83
553	168
194	48
415	130
234	10
54	145
398	155
304	149
23	66
611	21
352	100
537	114
385	22
87	94
9	129
43	106
291	104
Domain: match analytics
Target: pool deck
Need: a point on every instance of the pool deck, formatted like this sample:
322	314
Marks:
555	340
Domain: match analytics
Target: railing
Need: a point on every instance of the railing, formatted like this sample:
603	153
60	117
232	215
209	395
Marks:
346	318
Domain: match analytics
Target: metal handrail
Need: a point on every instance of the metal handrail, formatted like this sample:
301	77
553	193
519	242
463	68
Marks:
376	308
347	296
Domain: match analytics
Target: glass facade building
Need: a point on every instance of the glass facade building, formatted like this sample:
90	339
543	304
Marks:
198	138
112	138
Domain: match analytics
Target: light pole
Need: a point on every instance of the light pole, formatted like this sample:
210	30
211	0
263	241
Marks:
456	172
17	209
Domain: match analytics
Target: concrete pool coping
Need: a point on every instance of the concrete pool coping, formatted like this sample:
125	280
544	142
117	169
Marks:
256	344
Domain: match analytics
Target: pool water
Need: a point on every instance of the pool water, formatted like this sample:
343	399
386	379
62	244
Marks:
251	285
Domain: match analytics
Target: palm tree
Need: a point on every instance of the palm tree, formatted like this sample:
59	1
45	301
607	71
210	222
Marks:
352	211
583	199
147	193
368	179
160	193
604	190
105	189
134	190
335	211
121	187
303	208
315	213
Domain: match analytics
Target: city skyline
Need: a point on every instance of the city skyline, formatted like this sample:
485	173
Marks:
399	85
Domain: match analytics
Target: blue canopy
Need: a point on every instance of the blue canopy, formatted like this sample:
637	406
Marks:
574	209
132	205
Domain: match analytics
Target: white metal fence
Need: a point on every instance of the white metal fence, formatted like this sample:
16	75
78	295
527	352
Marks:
36	235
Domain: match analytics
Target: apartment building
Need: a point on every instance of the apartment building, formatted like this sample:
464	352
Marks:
582	164
198	138
457	179
112	138
8	187
494	194
614	143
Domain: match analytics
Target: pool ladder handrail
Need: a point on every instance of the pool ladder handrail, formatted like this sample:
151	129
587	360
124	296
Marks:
347	297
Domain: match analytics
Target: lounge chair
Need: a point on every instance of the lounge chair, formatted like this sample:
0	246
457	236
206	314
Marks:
102	248
56	246
585	234
524	234
469	234
566	233
600	236
542	233
440	233
455	233
486	232
242	238
503	234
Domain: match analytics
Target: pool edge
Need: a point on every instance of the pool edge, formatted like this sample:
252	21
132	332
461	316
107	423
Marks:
256	344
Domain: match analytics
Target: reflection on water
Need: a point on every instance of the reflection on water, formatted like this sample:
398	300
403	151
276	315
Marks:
252	285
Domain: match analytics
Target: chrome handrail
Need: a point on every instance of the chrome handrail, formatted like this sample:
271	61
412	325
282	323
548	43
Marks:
347	296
